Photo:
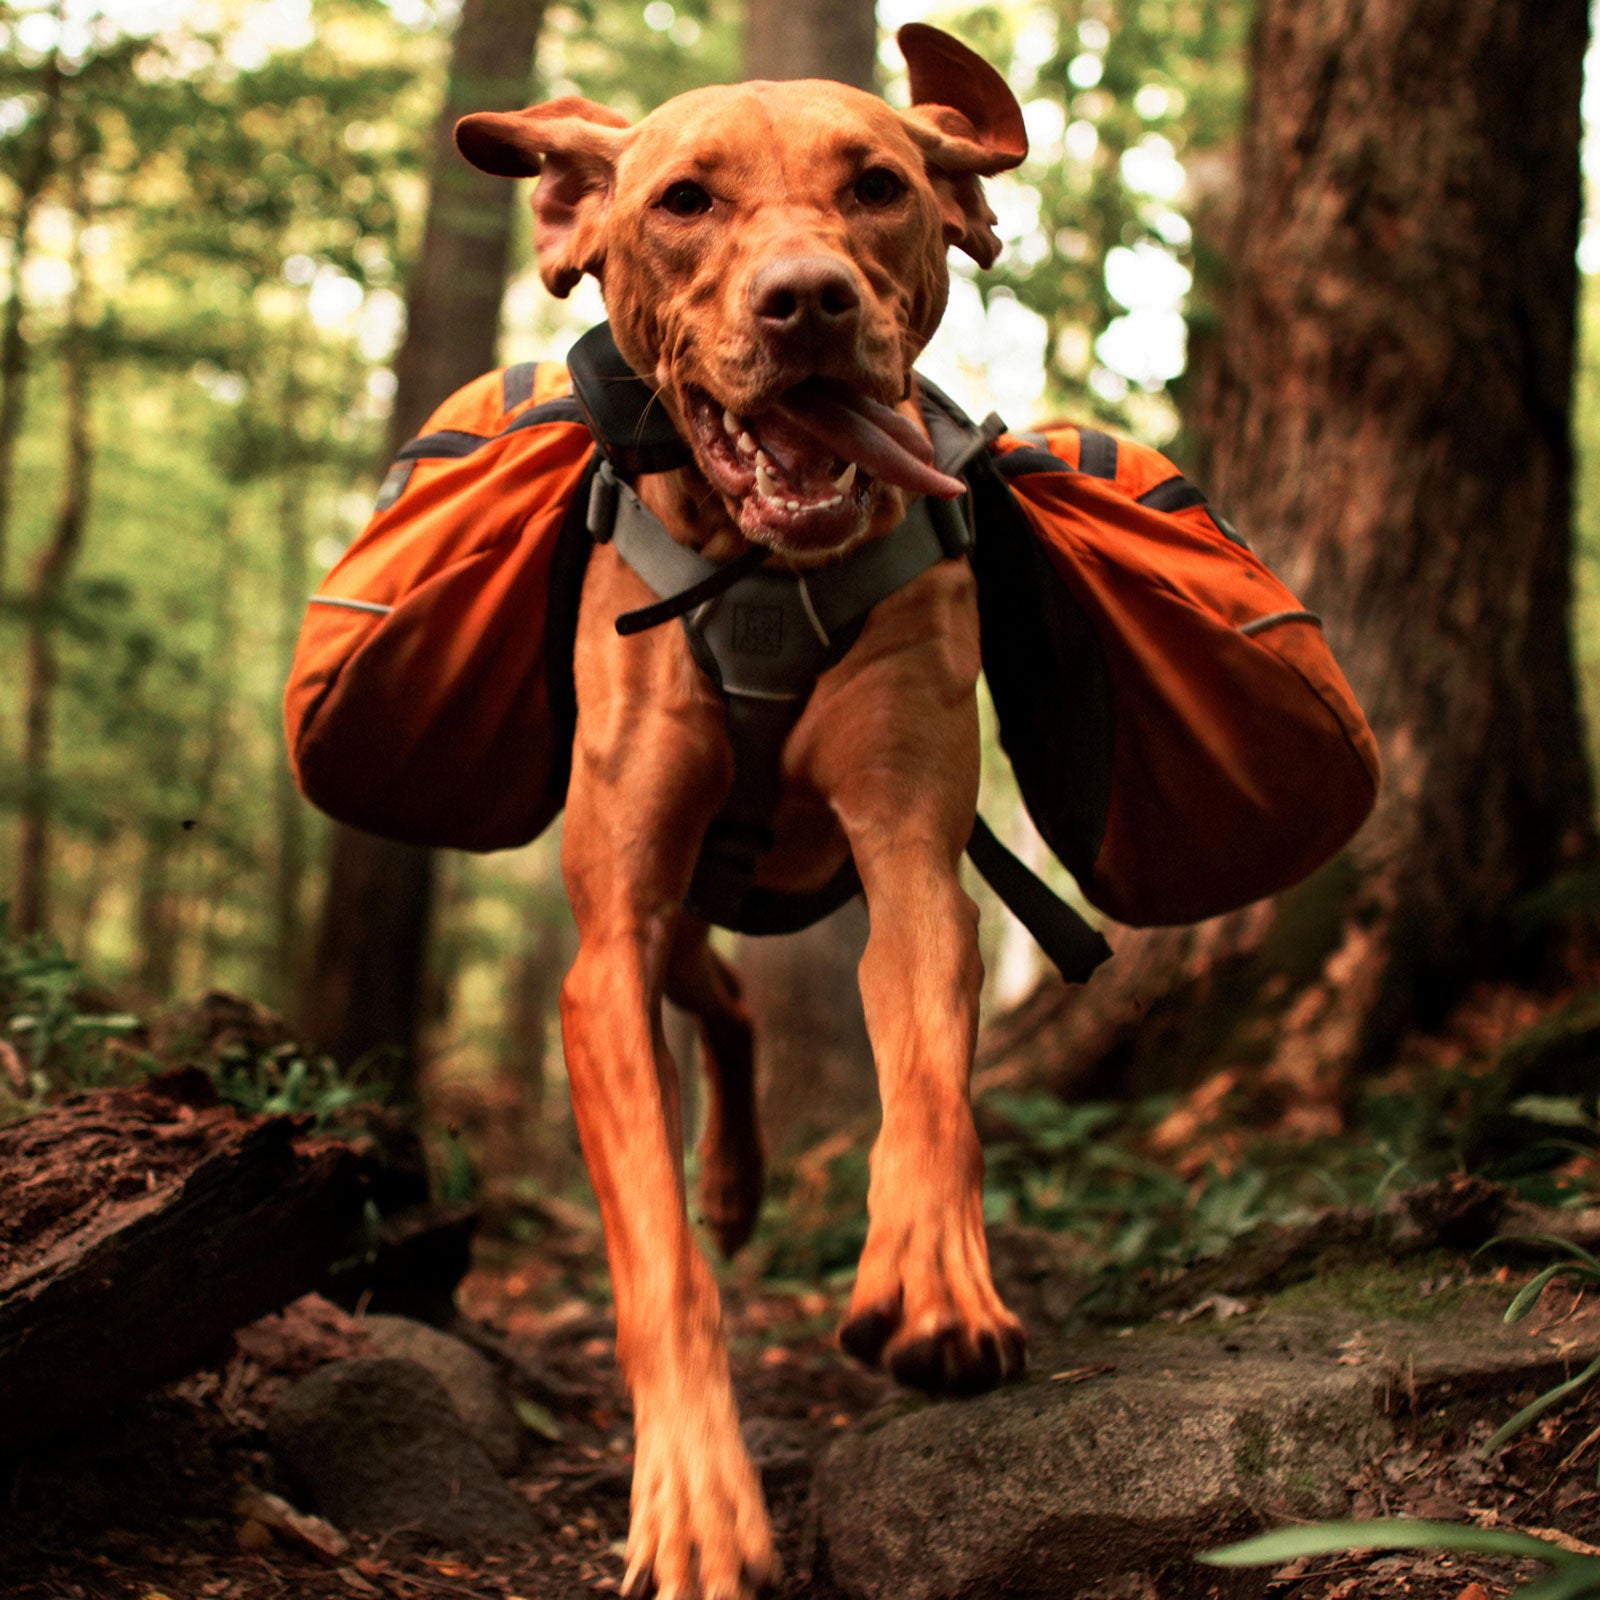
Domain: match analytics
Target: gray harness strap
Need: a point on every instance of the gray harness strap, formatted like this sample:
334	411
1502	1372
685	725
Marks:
764	642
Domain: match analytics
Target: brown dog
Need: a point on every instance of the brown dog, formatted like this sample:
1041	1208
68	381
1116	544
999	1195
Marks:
773	261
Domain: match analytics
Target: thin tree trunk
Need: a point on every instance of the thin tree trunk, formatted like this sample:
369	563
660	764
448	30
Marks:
1387	418
157	919
816	1072
520	1143
804	998
289	865
210	867
33	174
362	991
32	905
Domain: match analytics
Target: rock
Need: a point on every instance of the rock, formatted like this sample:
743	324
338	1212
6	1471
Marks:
468	1377
780	1449
1052	1488
1144	1450
378	1446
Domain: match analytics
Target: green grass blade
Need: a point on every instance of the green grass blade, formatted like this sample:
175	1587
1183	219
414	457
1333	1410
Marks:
1575	1250
1547	1401
1384	1533
1529	1293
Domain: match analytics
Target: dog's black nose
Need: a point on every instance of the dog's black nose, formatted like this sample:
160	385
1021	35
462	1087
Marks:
805	296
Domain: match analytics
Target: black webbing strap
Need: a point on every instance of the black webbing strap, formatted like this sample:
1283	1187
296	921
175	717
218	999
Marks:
637	437
1072	945
687	600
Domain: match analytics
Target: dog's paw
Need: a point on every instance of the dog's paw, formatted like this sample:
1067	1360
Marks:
926	1310
732	1181
949	1356
699	1529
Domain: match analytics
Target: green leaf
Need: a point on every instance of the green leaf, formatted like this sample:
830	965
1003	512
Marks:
1386	1533
1528	1294
1546	1402
536	1418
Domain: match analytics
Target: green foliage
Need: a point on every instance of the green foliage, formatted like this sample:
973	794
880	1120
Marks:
52	1037
1132	106
285	1081
1581	1269
1572	1576
1080	1170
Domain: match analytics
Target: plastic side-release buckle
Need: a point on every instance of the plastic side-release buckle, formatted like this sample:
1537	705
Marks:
953	519
951	525
604	494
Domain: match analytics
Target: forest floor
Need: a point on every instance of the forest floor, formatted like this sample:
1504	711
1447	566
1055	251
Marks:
1212	1239
163	1504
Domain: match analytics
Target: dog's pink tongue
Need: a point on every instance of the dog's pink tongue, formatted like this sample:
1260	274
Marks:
871	434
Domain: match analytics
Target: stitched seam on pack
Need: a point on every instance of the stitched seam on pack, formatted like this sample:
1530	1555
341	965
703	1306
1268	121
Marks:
452	443
349	605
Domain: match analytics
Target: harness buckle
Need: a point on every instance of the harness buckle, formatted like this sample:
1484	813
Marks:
604	493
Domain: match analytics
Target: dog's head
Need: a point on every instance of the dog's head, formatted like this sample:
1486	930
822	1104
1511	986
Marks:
773	261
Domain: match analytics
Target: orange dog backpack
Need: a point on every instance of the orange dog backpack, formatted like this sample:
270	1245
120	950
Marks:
1179	730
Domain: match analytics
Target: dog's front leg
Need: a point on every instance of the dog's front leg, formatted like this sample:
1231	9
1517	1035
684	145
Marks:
650	767
902	773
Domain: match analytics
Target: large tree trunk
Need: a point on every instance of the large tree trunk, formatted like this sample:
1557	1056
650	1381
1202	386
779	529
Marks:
786	39
815	1060
362	993
1386	417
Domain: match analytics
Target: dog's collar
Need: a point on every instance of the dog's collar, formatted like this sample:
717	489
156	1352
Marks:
622	410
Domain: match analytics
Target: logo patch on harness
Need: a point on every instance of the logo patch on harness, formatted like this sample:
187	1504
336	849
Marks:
758	630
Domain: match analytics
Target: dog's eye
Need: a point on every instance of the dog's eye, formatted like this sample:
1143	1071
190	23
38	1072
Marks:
686	200
878	187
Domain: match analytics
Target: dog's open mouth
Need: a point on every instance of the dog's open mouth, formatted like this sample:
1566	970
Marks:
800	471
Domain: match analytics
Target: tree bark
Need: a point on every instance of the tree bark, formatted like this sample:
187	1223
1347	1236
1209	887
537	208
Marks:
31	910
362	992
786	39
453	298
1386	416
815	1060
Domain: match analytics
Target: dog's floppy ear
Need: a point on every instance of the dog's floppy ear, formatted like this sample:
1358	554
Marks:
571	145
969	126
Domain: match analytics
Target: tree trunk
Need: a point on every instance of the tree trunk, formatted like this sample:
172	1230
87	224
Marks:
32	176
362	993
521	1142
157	915
60	555
816	1073
786	39
1386	417
289	809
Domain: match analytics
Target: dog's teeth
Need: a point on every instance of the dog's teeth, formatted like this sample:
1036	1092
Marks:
766	484
846	478
747	444
793	505
731	423
832	500
763	461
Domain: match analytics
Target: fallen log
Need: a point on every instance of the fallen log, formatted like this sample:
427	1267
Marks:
138	1228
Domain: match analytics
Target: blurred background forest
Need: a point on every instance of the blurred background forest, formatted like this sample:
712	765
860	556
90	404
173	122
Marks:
238	267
